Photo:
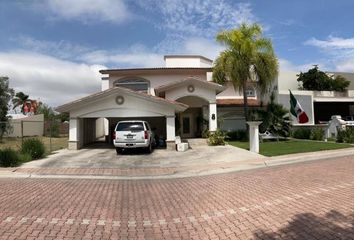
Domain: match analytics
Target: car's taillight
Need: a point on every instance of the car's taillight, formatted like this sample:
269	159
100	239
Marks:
114	135
146	136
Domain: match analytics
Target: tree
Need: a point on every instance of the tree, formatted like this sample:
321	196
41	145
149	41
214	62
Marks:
249	58
316	80
6	94
275	118
47	111
20	100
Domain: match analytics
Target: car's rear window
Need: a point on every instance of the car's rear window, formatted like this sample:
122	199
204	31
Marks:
130	126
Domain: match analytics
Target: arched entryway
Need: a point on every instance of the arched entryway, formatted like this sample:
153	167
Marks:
192	122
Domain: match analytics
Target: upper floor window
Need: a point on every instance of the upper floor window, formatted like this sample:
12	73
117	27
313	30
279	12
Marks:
135	84
250	92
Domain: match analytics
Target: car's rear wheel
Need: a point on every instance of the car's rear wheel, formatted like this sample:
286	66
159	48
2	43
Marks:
119	150
149	148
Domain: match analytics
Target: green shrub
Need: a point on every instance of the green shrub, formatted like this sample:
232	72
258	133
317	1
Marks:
25	157
238	135
34	147
217	138
9	158
346	135
205	133
301	133
317	134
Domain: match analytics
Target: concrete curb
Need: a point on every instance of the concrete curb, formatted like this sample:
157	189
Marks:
253	164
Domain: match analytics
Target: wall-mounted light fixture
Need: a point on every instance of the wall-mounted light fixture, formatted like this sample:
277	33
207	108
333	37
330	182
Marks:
213	116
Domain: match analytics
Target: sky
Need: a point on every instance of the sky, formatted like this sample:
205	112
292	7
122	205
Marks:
53	49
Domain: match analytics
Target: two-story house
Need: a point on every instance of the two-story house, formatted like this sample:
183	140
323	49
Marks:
177	99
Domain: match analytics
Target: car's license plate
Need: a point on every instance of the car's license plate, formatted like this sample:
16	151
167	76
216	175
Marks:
130	136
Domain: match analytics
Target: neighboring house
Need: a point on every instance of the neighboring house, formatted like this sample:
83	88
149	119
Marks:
320	106
178	99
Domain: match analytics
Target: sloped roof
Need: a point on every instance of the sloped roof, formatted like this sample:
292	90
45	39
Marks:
218	88
111	91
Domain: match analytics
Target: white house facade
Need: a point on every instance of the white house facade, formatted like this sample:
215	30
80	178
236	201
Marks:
177	99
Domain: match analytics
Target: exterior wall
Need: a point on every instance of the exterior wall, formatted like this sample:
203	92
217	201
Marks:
287	80
187	62
306	101
32	126
182	91
104	83
229	92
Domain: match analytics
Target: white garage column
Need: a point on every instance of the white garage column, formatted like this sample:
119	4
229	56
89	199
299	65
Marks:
170	131
213	119
74	134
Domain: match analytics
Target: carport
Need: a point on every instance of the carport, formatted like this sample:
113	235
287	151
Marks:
91	114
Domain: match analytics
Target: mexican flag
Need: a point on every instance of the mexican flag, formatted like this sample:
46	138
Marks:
296	110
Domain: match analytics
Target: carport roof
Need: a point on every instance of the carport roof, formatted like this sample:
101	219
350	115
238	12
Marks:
211	85
111	91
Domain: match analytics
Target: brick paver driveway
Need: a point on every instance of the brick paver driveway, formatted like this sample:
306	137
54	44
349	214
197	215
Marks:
303	201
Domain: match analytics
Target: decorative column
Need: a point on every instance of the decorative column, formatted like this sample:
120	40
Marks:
254	136
170	128
213	120
74	134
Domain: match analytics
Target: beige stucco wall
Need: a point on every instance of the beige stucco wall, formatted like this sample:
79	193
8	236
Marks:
32	126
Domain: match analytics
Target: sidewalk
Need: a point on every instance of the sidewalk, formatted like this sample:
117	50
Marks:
171	172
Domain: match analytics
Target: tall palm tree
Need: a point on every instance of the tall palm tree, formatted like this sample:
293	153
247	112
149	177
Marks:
248	58
19	100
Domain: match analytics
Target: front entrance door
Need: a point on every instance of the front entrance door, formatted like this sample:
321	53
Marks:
187	127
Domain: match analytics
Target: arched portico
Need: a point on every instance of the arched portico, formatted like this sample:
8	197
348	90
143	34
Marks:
200	96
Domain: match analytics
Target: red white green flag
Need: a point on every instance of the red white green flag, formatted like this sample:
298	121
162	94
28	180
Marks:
296	110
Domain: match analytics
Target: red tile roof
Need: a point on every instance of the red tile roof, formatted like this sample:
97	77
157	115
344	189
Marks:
238	102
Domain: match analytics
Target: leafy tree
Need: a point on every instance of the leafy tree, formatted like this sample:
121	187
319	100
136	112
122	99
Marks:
47	111
6	94
275	118
249	57
316	80
19	100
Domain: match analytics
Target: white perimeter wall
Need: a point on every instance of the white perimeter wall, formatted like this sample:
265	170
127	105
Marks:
32	126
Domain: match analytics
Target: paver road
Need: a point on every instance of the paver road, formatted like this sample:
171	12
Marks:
303	201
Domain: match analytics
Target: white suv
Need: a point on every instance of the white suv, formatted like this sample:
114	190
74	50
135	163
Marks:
133	134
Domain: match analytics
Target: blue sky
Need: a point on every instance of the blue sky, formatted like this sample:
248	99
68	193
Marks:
53	49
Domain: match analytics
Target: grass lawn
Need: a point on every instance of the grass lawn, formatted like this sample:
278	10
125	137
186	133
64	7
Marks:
275	148
57	143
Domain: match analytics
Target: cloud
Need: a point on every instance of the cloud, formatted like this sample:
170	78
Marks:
52	80
198	18
332	43
61	49
286	65
346	65
339	52
114	11
135	56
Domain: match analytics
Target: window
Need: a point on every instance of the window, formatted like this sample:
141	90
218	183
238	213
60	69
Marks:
135	84
130	126
250	92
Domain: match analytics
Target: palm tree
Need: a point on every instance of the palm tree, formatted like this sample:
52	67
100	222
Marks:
19	100
249	58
